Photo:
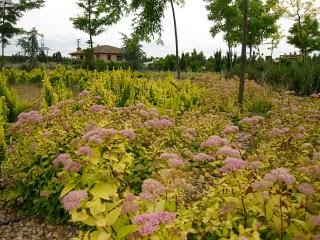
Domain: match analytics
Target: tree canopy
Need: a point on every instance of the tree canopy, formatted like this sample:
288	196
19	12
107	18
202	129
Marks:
309	40
97	14
11	12
133	52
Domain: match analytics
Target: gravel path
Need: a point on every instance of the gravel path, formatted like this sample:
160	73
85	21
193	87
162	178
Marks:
14	227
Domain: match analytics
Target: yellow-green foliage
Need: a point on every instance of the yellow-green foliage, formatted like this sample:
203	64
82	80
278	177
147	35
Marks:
124	88
49	96
10	100
142	158
3	115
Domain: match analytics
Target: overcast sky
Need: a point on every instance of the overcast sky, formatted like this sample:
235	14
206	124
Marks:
193	29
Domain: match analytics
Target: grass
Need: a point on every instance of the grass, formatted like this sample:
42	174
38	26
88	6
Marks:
29	95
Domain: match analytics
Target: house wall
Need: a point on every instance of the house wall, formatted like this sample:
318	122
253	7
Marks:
103	57
113	57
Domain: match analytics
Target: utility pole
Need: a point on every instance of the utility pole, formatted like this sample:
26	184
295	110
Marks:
78	43
42	45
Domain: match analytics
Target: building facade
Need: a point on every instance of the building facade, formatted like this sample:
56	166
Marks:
106	53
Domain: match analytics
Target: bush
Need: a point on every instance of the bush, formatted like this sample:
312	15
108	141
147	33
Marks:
10	100
3	114
302	78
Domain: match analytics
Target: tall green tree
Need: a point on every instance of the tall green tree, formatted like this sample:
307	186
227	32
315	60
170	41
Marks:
263	16
11	11
147	21
226	16
262	21
297	10
274	42
305	35
97	14
30	45
133	52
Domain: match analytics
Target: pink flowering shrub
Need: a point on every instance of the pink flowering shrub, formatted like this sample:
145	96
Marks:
214	141
232	165
152	222
25	119
73	199
148	168
67	163
159	124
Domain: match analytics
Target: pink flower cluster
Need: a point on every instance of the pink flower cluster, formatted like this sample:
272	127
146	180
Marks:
201	157
255	165
54	111
316	156
315	95
84	93
261	185
159	124
98	135
214	141
230	129
128	133
312	171
306	188
67	163
151	189
251	120
153	112
129	205
232	165
227	208
225	150
73	199
85	151
276	132
96	108
189	134
315	220
174	160
280	174
151	222
317	236
25	118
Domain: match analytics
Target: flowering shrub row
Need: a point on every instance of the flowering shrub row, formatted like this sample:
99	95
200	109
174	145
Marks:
137	172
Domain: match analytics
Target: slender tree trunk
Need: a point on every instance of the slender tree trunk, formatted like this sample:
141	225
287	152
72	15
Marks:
301	39
243	53
2	46
176	37
250	50
272	46
230	57
2	34
90	35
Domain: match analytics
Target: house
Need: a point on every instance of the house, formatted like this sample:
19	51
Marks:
104	52
291	57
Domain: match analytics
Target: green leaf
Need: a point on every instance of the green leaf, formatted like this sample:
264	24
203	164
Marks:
82	217
96	206
111	206
101	220
104	190
159	206
112	216
104	236
67	188
126	230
